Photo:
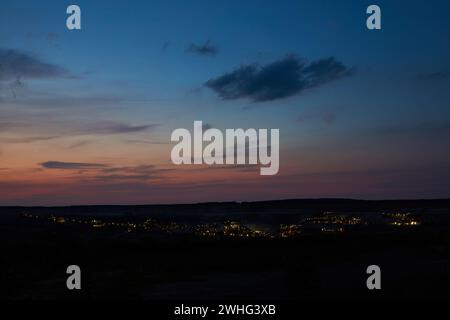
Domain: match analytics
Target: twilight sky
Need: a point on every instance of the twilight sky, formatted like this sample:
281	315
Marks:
86	116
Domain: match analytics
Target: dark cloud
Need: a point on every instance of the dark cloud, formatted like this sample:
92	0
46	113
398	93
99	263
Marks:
71	165
113	128
280	79
206	49
15	64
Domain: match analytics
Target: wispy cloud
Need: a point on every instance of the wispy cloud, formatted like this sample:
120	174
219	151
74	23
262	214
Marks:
206	49
79	144
133	173
112	128
280	79
100	172
47	125
438	129
165	46
27	139
16	64
236	167
7	125
440	75
328	117
140	141
71	165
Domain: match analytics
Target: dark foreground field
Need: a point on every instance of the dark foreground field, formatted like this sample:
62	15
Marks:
33	262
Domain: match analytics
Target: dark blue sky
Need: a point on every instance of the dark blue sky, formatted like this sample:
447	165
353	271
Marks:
365	109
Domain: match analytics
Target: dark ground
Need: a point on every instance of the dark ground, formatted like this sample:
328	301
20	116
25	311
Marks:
34	260
415	262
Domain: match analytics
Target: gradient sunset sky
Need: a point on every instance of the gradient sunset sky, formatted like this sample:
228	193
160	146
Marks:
86	116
